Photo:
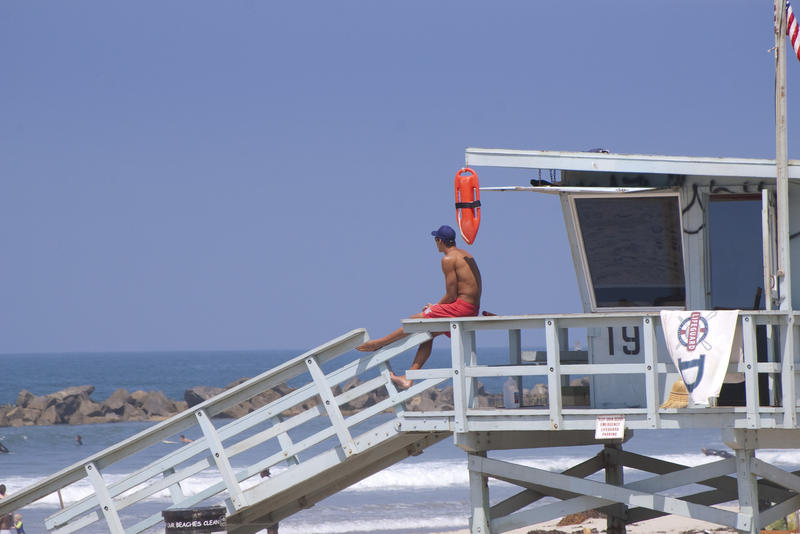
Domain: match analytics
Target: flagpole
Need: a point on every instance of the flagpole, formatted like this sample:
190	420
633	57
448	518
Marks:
784	274
781	158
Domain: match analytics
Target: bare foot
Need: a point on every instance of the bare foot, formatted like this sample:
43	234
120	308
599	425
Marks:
400	381
370	346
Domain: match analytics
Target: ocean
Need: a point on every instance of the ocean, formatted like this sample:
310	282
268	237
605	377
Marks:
423	494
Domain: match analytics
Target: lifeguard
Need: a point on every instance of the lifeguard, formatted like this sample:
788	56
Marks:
462	298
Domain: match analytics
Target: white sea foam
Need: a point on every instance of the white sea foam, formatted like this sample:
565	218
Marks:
400	477
83	488
372	525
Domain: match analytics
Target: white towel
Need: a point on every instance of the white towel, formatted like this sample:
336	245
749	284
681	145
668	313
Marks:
700	344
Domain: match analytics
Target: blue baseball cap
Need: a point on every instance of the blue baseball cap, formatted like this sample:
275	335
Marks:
445	233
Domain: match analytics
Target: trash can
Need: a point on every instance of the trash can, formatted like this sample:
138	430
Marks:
194	520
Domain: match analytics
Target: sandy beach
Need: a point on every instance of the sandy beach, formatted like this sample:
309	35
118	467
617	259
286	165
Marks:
672	524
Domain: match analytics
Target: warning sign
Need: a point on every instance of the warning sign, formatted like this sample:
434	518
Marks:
609	427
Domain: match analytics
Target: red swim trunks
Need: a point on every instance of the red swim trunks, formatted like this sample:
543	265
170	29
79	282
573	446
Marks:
459	308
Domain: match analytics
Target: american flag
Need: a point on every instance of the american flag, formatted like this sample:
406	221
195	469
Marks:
792	30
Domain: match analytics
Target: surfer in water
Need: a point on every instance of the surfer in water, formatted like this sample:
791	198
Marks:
462	298
717	452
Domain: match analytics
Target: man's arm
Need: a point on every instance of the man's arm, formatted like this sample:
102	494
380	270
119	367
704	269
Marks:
450	281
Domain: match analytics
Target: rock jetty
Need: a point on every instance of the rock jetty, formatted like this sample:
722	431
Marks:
74	405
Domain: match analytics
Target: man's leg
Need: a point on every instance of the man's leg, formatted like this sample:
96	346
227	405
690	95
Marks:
375	344
423	353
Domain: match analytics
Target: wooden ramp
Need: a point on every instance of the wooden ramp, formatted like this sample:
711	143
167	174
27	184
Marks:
304	433
326	475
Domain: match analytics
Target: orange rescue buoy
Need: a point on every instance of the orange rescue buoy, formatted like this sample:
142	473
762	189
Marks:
468	204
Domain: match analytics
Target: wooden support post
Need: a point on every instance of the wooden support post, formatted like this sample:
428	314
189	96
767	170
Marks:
784	273
457	346
471	359
479	499
748	489
750	360
615	520
554	372
563	342
652	393
515	357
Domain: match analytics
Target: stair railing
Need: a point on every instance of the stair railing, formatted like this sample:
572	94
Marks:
219	445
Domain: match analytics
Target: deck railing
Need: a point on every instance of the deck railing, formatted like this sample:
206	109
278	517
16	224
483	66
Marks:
655	368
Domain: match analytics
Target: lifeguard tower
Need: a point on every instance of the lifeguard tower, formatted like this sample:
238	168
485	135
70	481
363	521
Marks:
648	234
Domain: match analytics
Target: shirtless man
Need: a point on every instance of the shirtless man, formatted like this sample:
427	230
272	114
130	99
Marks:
462	298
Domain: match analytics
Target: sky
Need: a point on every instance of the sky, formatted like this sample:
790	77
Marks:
197	175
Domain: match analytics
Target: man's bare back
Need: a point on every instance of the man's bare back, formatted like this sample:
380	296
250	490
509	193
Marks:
459	268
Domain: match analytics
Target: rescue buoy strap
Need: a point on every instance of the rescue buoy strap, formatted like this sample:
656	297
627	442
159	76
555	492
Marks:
468	205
